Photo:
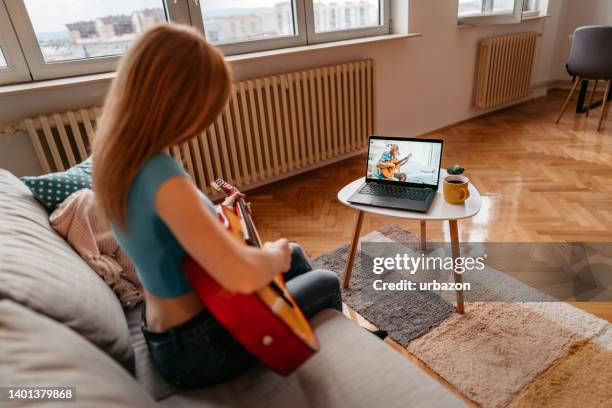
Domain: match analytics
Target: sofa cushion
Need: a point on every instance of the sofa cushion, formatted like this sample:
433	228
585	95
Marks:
39	352
53	188
352	369
41	271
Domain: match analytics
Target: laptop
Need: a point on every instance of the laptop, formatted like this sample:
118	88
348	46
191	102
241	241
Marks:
401	173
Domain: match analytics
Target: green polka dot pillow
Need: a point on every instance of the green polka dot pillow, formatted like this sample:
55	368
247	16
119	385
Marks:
52	189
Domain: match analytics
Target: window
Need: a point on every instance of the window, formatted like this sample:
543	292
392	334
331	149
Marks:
241	26
72	37
479	12
248	26
356	14
78	30
334	20
13	67
227	25
531	8
43	39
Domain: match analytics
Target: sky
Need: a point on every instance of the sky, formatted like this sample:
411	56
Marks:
52	15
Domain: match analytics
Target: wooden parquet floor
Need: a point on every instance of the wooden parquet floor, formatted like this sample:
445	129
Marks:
539	182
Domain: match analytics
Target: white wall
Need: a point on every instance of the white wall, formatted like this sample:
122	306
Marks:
574	14
16	151
422	84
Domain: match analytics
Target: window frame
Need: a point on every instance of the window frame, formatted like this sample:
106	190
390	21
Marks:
26	62
491	18
531	8
340	35
244	47
17	68
41	69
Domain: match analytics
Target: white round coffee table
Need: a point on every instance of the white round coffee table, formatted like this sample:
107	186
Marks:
440	210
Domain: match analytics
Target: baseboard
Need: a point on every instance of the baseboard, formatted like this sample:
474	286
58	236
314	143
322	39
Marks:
555	84
536	91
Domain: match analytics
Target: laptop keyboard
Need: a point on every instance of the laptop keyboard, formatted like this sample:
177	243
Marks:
411	193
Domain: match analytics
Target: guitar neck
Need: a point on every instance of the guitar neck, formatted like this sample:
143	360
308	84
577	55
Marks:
248	223
403	161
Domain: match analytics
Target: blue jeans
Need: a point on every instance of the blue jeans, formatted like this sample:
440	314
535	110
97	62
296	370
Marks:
200	352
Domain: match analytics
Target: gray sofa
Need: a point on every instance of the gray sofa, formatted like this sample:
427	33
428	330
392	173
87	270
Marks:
60	325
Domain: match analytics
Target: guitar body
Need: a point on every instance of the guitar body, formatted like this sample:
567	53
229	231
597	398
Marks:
388	172
268	323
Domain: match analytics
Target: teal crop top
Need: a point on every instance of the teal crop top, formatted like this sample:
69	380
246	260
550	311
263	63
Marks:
153	249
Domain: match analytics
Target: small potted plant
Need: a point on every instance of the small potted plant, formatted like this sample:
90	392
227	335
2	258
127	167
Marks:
455	170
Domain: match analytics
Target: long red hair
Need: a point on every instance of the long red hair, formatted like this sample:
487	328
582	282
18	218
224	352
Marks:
170	86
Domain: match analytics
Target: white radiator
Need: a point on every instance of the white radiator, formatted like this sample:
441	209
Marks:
272	127
504	69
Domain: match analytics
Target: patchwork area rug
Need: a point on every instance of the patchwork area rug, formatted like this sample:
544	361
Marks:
500	353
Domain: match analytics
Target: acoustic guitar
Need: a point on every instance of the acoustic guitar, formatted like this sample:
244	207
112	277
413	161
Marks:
268	323
388	172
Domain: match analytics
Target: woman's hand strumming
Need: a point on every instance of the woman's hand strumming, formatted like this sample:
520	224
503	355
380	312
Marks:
280	252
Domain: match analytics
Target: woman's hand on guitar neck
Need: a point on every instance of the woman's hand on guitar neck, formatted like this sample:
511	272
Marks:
230	202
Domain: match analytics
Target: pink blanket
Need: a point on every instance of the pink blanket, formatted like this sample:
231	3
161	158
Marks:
77	220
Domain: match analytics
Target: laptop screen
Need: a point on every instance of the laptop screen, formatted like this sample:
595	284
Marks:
413	161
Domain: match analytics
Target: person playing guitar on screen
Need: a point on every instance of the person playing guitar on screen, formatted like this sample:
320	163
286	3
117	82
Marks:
389	165
171	86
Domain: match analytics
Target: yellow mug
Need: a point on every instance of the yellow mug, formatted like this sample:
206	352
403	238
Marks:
456	189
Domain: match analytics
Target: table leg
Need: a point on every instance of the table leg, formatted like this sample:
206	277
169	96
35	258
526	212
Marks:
423	235
348	268
454	233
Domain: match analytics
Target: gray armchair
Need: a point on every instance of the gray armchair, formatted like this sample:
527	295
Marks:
591	59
